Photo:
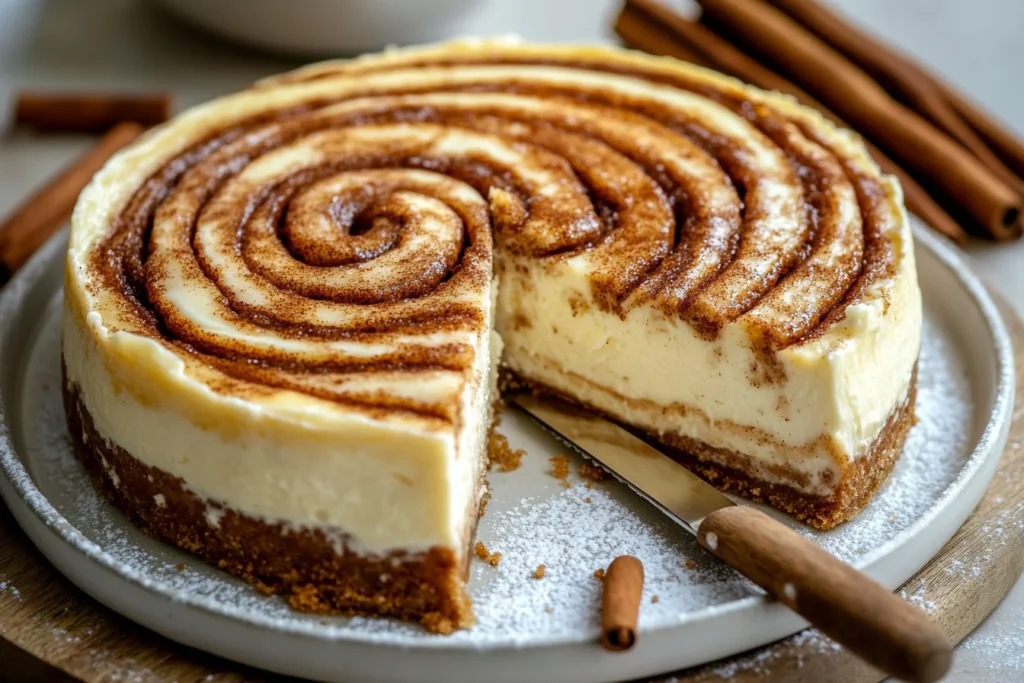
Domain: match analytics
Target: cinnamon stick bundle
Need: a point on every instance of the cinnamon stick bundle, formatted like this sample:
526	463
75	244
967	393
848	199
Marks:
913	84
963	156
653	27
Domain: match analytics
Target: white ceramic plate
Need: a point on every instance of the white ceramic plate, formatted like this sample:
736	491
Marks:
528	629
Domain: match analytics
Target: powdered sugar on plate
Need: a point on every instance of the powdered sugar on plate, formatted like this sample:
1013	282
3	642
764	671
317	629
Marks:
532	519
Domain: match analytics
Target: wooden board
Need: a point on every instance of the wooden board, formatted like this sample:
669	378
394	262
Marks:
51	631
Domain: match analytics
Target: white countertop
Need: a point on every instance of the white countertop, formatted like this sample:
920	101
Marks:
124	44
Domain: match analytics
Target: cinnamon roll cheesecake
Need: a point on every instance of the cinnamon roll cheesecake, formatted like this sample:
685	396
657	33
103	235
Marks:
286	308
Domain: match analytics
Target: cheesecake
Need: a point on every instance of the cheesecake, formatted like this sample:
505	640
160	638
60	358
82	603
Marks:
288	311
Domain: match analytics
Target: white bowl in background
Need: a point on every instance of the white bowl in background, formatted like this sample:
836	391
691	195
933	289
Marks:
322	27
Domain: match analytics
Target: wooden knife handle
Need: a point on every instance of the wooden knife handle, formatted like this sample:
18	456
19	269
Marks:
847	605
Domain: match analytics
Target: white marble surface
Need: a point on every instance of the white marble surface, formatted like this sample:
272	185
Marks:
126	44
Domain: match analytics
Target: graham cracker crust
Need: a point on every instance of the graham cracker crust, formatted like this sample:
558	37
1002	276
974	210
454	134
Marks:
858	479
315	572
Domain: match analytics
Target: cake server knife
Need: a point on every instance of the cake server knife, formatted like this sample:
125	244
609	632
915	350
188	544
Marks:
847	605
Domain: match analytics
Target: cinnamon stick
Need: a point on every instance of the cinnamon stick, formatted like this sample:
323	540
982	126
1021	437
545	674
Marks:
653	27
638	31
911	83
620	603
997	135
89	112
852	93
40	216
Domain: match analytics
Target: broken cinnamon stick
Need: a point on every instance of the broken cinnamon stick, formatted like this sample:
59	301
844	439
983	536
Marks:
89	112
653	27
620	603
854	95
43	213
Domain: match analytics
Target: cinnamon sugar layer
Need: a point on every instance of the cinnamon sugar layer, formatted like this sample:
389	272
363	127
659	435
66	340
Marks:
340	219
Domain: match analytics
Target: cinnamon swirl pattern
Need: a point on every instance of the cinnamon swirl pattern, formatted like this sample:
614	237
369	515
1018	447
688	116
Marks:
291	291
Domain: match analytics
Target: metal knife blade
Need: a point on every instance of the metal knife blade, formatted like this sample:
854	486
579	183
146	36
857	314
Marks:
845	604
655	476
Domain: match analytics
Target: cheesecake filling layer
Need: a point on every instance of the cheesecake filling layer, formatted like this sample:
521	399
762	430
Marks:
380	486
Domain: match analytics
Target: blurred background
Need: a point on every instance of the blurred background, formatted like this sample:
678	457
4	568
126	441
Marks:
146	43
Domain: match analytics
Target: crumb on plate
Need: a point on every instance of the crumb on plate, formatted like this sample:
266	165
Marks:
501	455
592	472
559	467
487	556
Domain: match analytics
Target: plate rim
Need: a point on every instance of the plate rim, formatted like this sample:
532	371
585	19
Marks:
16	477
